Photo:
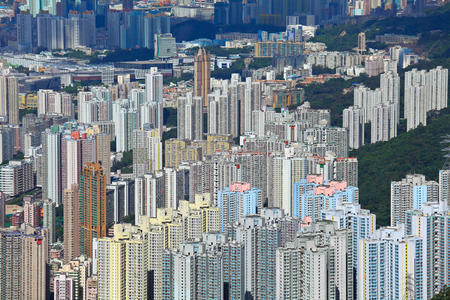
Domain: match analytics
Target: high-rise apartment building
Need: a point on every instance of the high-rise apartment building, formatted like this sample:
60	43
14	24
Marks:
125	119
31	212
317	265
9	98
238	201
154	86
313	195
410	193
215	266
170	188
50	219
415	106
103	144
360	222
431	224
52	185
190	118
16	177
72	229
354	122
190	221
2	209
202	75
346	169
77	149
390	91
391	266
92	206
6	144
122	266
444	186
260	236
147	151
51	102
149	195
233	270
384	124
178	151
23	260
220	117
120	199
366	99
362	42
285	173
24	32
424	91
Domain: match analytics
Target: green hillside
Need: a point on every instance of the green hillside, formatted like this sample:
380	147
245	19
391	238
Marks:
433	29
417	151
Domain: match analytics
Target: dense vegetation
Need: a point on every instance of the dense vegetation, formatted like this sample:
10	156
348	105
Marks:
124	55
443	295
238	66
433	28
330	95
416	151
170	117
125	164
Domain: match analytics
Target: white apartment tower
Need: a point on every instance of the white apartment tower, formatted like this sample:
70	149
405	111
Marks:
410	193
424	91
154	86
354	122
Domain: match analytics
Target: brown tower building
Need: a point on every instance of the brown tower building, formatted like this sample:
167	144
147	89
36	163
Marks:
9	98
71	201
202	75
92	206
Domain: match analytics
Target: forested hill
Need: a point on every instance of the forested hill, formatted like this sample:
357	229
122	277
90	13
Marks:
416	151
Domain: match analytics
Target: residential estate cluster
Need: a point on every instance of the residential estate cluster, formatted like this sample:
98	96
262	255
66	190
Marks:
135	165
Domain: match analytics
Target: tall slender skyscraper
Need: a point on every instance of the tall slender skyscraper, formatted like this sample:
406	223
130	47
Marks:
71	223
353	121
431	223
444	186
190	118
2	209
51	165
147	151
362	42
24	32
122	267
50	219
103	144
92	206
77	150
154	86
202	75
9	98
